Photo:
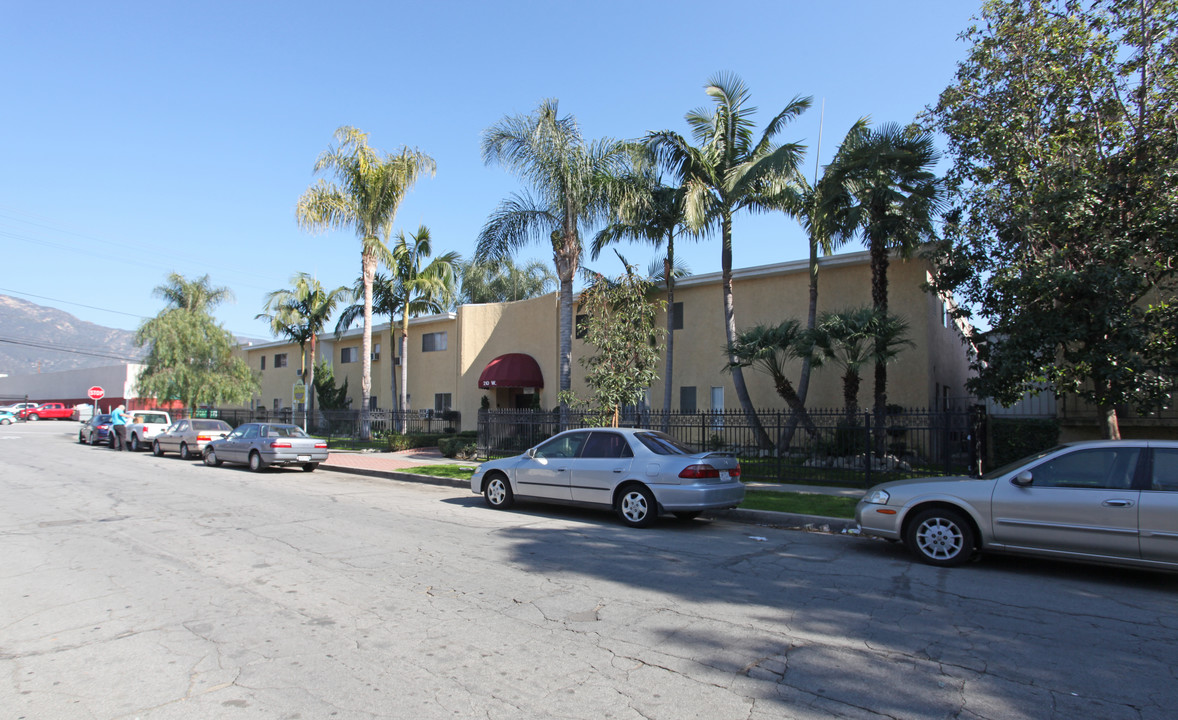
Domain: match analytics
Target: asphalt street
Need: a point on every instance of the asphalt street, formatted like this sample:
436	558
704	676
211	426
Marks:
141	587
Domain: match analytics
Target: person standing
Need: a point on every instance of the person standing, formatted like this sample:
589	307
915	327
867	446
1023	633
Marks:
118	428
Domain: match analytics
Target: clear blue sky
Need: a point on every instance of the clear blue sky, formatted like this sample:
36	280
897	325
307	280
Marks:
141	138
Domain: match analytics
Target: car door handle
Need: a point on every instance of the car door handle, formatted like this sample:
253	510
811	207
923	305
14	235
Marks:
1117	503
618	470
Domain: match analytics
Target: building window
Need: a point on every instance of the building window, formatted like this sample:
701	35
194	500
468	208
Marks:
677	316
263	362
687	399
441	402
348	355
718	407
277	403
433	342
582	324
279	360
376	352
372	402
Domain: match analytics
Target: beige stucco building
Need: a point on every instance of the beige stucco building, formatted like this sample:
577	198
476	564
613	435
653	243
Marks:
448	353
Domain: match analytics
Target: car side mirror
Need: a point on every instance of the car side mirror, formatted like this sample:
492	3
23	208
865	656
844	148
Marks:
531	453
1023	479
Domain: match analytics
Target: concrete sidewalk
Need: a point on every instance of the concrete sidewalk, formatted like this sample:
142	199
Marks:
392	465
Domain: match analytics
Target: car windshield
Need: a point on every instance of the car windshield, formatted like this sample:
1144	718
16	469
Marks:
663	444
999	472
285	431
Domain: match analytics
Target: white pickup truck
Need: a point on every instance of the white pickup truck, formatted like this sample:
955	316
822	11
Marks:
144	426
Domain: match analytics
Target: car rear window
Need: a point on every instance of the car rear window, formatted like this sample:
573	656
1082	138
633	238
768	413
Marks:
662	444
285	431
153	418
210	425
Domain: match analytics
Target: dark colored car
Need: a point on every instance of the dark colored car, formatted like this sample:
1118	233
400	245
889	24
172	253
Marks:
95	430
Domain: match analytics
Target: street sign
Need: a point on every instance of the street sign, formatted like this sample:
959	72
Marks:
96	393
300	393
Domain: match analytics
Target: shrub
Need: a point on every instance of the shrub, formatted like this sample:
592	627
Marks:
1014	438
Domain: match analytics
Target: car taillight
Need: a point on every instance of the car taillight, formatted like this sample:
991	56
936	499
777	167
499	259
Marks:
734	472
320	445
699	472
279	444
204	438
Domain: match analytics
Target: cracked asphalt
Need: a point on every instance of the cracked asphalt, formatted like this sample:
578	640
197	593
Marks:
154	588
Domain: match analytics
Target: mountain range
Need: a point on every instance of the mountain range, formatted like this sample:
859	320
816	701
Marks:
38	339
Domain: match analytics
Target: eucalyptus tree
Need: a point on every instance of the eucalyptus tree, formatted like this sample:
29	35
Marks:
299	313
649	211
568	176
504	281
368	189
730	170
852	338
429	288
882	187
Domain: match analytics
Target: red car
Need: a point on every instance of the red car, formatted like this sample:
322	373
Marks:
47	411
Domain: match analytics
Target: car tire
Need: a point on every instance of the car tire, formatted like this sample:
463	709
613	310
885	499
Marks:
33	417
81	438
256	463
156	449
135	447
941	537
688	515
310	467
636	506
211	458
184	453
497	492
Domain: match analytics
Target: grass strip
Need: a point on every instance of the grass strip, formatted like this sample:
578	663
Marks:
800	503
460	472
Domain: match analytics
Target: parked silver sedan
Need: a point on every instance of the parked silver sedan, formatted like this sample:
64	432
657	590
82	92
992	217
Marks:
189	437
261	445
638	473
1113	502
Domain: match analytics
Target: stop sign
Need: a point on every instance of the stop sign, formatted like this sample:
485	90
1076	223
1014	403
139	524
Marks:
95	393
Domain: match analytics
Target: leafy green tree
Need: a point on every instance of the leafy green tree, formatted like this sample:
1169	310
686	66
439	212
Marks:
881	186
299	314
330	397
620	325
368	191
429	288
769	348
504	281
852	338
568	176
730	170
652	212
190	357
1062	124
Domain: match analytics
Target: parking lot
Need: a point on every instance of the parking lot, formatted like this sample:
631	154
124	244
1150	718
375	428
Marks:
136	586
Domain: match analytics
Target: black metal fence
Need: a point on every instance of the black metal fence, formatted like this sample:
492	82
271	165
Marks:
828	448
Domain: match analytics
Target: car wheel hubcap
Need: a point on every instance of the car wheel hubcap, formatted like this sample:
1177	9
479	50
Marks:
634	506
495	492
938	538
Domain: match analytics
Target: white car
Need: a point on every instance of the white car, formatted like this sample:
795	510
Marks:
144	426
15	408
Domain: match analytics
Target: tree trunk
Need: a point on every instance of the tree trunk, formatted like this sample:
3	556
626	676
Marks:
811	321
669	277
404	424
309	383
851	396
742	392
368	267
879	300
566	253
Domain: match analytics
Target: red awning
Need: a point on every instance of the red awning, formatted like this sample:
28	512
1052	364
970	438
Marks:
513	370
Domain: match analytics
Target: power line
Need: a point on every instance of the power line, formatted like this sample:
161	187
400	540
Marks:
59	348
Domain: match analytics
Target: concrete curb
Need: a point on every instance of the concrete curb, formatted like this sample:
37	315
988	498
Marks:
766	518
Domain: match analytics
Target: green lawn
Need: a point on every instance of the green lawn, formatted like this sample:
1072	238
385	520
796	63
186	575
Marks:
790	502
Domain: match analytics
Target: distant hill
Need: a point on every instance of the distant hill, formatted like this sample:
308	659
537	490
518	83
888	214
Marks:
34	338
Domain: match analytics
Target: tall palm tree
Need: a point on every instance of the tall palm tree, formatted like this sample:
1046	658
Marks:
882	186
653	212
567	175
386	300
300	313
852	338
431	288
193	295
729	171
368	191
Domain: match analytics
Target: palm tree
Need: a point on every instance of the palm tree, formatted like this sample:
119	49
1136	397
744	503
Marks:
568	177
853	338
368	191
769	348
386	300
192	295
882	185
653	212
730	171
504	281
430	288
299	314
